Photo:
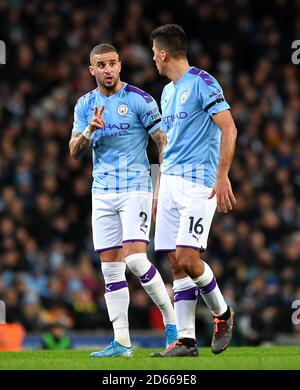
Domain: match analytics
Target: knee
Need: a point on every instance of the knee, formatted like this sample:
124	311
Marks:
184	260
176	269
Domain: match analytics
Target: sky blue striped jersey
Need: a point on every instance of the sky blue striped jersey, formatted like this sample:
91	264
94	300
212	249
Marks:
193	146
120	161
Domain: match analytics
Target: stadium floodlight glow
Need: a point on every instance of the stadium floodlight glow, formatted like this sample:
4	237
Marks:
2	53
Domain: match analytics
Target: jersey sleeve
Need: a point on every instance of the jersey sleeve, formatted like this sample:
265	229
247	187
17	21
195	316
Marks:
149	115
211	94
80	121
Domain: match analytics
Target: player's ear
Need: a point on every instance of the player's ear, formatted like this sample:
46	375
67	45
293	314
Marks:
120	66
164	55
91	68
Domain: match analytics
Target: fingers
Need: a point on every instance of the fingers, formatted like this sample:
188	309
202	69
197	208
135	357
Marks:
99	123
97	120
212	194
101	110
225	201
219	202
98	113
232	197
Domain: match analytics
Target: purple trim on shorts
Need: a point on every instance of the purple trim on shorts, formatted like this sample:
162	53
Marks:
107	249
192	247
110	287
209	287
186	295
165	250
149	275
134	239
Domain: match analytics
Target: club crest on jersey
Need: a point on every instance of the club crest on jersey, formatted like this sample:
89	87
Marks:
183	97
122	109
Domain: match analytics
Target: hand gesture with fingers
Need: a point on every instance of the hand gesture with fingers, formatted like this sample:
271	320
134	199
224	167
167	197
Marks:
97	121
223	191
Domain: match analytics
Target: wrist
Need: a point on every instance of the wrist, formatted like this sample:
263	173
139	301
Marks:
222	175
87	133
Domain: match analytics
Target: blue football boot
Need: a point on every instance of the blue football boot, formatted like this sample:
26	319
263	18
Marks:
171	334
113	349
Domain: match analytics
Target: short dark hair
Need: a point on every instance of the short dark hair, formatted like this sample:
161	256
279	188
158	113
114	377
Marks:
172	38
102	48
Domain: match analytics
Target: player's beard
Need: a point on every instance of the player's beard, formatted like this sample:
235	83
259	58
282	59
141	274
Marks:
108	86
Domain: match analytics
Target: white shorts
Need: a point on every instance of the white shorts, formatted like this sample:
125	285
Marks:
118	218
184	214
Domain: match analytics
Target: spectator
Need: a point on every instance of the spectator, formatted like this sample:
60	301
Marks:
56	338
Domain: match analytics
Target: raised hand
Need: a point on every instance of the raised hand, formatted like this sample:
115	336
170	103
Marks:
97	121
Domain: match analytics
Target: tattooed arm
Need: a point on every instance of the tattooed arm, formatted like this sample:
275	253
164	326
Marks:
81	142
78	145
160	138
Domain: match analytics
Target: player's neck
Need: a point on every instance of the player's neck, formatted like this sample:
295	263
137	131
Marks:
109	92
177	69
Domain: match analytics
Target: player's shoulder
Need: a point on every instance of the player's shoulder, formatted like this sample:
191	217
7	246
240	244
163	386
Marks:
85	99
137	94
201	76
167	88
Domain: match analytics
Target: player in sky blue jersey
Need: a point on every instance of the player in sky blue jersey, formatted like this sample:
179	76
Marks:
200	140
116	119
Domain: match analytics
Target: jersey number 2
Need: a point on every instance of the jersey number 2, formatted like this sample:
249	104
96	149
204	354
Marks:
145	217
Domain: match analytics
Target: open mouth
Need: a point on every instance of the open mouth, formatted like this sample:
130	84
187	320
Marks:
108	79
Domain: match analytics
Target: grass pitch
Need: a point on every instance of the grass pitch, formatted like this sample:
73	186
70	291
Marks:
259	358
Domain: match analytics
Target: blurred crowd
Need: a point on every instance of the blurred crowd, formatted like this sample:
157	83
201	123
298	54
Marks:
49	272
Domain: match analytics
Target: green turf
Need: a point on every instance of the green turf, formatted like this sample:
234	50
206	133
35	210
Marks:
278	358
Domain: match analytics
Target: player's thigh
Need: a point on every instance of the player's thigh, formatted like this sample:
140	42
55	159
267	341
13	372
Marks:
135	214
106	223
195	221
167	225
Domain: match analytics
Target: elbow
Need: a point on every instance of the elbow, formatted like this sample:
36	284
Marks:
232	130
73	154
